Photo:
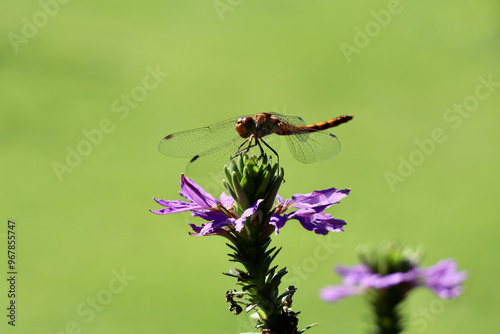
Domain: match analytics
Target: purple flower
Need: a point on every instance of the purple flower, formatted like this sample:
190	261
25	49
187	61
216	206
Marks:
310	209
218	213
222	218
443	278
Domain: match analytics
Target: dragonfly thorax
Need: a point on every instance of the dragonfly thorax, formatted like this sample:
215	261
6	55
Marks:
258	126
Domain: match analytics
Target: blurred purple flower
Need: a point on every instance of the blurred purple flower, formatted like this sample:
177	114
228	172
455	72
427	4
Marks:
442	278
222	218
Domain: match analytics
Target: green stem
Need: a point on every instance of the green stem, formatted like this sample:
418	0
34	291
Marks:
249	180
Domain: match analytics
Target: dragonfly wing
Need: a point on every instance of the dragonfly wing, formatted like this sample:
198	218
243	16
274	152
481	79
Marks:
295	120
210	162
186	144
314	146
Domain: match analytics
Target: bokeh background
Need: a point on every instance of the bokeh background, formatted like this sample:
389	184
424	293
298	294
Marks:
93	259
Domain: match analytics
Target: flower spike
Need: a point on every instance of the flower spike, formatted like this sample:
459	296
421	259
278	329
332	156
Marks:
247	217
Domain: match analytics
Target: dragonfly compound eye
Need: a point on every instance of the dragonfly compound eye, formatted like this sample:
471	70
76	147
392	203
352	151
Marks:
245	126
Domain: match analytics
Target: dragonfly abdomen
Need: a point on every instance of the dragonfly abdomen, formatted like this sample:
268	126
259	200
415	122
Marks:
330	123
315	127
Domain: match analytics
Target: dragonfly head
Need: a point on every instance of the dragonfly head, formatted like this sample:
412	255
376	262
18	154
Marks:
245	126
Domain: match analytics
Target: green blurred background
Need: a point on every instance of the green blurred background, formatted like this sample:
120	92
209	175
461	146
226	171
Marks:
66	67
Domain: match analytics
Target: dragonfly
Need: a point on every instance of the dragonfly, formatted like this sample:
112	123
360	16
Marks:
211	146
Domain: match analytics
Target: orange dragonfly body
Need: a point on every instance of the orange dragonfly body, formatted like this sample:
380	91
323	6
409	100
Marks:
212	145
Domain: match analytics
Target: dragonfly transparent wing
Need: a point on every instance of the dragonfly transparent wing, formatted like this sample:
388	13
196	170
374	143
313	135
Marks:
211	162
314	146
294	120
187	144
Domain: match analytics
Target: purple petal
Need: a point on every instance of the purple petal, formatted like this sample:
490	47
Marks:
226	200
174	206
363	276
240	222
383	282
278	222
325	197
163	202
304	212
196	194
281	205
326	223
444	279
196	229
211	216
215	228
305	221
320	223
280	200
335	293
354	274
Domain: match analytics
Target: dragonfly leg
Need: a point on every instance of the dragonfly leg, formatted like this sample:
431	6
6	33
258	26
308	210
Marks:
260	146
269	147
256	143
242	150
252	142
